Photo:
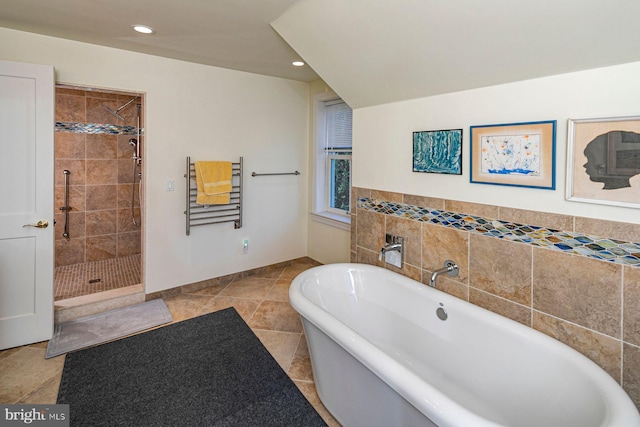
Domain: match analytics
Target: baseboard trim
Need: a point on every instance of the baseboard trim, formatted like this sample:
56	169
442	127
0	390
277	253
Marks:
196	286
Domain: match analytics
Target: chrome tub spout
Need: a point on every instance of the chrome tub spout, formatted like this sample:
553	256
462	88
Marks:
450	268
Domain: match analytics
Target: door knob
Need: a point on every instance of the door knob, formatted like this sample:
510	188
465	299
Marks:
40	224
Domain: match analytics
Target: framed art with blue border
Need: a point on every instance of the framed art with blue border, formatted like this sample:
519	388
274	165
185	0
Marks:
516	154
438	151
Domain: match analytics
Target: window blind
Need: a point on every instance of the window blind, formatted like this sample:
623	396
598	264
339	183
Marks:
338	116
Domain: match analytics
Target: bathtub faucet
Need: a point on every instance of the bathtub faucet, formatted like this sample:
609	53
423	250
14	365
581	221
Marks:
392	252
390	248
450	268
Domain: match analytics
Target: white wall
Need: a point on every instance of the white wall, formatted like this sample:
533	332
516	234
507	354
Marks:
208	113
382	140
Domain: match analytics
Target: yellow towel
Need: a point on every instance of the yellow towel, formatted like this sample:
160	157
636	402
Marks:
213	182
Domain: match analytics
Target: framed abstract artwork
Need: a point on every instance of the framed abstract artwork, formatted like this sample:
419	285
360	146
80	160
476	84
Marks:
438	151
603	161
516	154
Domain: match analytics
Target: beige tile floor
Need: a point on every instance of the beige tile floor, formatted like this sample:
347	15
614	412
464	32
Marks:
262	301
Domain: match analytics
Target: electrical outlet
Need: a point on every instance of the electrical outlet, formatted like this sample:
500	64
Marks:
245	246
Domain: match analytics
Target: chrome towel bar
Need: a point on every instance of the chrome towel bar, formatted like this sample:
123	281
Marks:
281	173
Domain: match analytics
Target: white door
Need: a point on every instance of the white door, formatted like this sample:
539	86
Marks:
26	200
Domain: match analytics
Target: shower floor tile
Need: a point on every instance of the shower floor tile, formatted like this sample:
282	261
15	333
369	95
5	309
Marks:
98	276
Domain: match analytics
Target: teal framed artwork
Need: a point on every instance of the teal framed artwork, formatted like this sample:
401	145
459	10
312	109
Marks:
438	151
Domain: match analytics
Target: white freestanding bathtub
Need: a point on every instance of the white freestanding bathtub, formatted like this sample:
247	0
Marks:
382	356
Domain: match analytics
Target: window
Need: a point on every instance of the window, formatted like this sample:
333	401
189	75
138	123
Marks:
333	118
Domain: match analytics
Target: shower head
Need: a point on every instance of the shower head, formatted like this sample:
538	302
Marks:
133	142
116	112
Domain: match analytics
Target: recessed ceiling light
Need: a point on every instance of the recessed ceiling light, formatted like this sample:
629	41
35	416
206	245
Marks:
297	63
143	29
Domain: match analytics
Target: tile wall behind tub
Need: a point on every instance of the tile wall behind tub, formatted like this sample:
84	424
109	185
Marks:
101	166
548	271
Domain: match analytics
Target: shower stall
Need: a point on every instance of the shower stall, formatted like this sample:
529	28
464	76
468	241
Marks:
99	145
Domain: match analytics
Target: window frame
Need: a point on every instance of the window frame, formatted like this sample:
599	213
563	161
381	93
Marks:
321	169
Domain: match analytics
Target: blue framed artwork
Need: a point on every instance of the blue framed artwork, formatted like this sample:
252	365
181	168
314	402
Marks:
438	151
517	154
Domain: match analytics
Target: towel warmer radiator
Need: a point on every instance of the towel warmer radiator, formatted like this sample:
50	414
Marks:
213	214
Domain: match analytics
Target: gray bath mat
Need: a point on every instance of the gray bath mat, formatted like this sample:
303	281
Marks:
108	326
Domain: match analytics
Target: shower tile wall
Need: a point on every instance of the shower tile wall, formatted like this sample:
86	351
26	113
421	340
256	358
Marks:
101	166
548	271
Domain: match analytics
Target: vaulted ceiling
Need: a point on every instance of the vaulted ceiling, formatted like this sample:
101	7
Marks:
369	51
380	51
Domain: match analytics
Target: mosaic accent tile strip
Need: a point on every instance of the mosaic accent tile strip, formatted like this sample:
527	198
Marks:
617	251
95	128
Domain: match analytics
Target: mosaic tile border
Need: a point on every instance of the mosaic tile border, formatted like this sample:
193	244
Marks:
617	251
96	128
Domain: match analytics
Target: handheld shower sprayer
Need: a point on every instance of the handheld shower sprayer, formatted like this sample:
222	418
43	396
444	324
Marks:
136	151
137	162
